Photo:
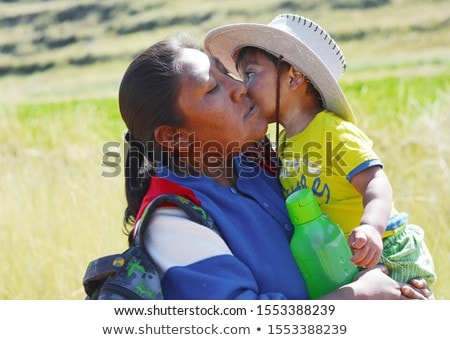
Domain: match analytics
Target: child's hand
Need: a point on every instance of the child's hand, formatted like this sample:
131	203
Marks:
366	244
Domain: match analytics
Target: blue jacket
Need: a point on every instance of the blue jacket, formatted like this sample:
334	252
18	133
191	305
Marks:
250	260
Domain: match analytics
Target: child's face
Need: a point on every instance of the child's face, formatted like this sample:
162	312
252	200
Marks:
260	76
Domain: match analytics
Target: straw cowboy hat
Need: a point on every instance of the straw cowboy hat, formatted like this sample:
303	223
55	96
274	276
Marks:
300	41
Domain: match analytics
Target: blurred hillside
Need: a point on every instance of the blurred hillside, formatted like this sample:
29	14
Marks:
81	47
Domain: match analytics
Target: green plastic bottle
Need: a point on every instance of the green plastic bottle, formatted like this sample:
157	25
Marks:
319	246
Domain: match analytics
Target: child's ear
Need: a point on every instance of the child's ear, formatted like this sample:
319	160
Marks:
296	78
171	138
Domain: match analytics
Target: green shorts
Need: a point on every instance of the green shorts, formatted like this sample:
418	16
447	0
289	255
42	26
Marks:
406	255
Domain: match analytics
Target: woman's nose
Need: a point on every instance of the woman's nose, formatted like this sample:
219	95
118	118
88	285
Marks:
239	90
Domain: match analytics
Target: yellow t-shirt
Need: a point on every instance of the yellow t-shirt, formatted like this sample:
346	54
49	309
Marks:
324	157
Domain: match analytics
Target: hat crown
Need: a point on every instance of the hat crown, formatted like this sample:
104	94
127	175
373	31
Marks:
315	38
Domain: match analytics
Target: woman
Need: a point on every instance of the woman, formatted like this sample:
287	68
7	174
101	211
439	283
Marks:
189	123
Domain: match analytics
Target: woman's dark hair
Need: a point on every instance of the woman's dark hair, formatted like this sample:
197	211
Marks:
148	99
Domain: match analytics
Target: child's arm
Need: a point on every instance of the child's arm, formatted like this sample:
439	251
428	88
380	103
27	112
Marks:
366	239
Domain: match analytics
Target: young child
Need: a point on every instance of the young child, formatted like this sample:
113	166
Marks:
291	67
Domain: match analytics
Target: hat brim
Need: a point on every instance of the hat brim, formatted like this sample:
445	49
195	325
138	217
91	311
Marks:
225	41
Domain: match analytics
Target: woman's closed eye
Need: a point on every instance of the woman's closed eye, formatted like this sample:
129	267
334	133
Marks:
213	88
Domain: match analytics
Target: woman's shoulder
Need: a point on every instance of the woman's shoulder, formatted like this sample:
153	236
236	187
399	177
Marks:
169	229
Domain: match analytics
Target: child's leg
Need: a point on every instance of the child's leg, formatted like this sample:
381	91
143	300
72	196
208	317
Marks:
407	256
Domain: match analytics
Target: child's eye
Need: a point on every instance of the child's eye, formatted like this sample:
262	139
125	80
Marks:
248	75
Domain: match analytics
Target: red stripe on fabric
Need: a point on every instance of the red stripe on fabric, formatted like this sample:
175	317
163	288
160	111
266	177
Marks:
160	186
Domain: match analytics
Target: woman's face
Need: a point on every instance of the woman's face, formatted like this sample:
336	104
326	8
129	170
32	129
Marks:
215	106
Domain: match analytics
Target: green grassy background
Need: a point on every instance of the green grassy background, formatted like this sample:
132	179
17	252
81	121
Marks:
60	66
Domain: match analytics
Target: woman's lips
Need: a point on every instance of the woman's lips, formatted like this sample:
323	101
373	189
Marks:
251	112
